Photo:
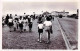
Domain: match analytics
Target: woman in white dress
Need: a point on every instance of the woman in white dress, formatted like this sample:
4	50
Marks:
25	21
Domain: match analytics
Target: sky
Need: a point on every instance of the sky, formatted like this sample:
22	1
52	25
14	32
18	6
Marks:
37	7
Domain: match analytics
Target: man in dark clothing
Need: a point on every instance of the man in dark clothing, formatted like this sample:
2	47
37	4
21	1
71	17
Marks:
10	23
40	19
30	26
34	16
6	19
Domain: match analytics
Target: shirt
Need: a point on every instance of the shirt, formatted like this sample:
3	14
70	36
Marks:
25	21
31	20
47	23
20	21
10	20
40	26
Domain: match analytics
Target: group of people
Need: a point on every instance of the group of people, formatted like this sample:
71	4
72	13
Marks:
24	22
21	23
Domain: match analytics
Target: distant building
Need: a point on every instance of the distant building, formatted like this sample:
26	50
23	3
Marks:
63	13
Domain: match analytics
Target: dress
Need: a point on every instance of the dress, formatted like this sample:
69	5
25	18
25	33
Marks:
25	24
15	23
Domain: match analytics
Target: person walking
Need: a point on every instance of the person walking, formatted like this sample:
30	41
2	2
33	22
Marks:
48	28
40	30
30	23
16	19
15	24
10	23
30	26
21	24
40	19
25	21
6	19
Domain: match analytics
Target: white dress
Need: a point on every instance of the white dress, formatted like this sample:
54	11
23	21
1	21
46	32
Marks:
15	23
25	24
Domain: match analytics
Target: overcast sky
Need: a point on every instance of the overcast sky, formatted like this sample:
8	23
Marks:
37	7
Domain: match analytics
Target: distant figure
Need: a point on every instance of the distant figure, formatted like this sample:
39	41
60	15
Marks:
29	18
6	19
48	28
50	17
3	21
10	22
60	16
15	24
30	26
34	17
53	18
25	22
26	16
21	24
40	30
40	19
30	23
16	19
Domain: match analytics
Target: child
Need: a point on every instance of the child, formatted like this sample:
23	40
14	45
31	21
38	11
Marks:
40	30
